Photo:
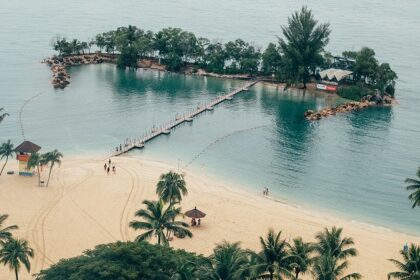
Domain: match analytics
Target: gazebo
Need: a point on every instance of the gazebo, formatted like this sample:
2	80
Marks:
23	153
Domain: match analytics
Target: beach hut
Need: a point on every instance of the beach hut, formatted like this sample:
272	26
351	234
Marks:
23	153
195	213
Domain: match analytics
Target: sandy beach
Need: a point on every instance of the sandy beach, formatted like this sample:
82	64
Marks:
83	207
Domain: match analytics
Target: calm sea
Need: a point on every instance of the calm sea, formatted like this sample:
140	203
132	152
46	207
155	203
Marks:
353	165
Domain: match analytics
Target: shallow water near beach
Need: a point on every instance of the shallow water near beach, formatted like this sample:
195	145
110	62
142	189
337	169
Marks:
352	165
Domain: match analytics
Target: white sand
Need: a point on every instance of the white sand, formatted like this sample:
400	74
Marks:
83	207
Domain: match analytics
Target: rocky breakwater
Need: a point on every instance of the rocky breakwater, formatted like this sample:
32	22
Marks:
367	101
58	64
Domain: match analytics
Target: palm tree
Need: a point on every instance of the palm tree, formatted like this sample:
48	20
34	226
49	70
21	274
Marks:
228	262
6	150
328	267
5	233
414	185
2	115
331	243
158	220
171	187
52	158
36	160
304	41
301	256
187	271
273	257
16	252
410	267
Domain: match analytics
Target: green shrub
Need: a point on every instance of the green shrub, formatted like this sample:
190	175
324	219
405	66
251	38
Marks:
354	92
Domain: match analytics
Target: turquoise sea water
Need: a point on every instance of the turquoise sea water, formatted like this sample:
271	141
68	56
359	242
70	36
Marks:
353	165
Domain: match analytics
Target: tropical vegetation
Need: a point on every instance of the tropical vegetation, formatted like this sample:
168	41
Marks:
36	160
6	151
3	114
277	259
171	187
295	59
52	158
158	220
409	268
129	261
13	252
5	232
414	186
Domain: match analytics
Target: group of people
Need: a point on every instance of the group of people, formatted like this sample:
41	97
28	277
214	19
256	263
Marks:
265	191
107	167
118	148
195	222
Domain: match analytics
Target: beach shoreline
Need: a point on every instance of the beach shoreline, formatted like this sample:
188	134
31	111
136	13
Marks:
84	207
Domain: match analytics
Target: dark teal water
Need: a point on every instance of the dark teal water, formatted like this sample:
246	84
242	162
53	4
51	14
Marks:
353	165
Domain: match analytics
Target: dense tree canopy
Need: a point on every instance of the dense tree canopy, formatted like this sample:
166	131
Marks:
132	260
296	58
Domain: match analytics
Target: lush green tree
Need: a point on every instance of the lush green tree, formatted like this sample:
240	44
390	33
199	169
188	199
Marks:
144	44
159	221
52	158
301	256
243	57
65	47
414	185
6	151
187	271
100	41
331	242
128	58
5	232
409	268
3	115
126	36
16	252
171	187
228	262
328	267
106	41
123	260
176	47
350	54
273	259
366	65
303	42
385	78
35	161
214	58
271	60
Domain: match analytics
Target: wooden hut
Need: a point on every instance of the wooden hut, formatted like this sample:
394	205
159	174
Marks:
23	153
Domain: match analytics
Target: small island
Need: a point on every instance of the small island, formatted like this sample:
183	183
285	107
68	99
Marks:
298	60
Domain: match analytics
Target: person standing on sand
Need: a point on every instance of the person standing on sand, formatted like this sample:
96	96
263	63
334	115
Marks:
405	248
105	166
109	162
107	170
114	169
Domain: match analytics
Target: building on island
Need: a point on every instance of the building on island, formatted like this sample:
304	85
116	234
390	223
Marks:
23	154
330	79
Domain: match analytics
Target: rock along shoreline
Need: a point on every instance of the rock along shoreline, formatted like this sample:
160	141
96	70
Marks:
367	101
60	76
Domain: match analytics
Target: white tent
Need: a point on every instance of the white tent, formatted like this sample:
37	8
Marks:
337	74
